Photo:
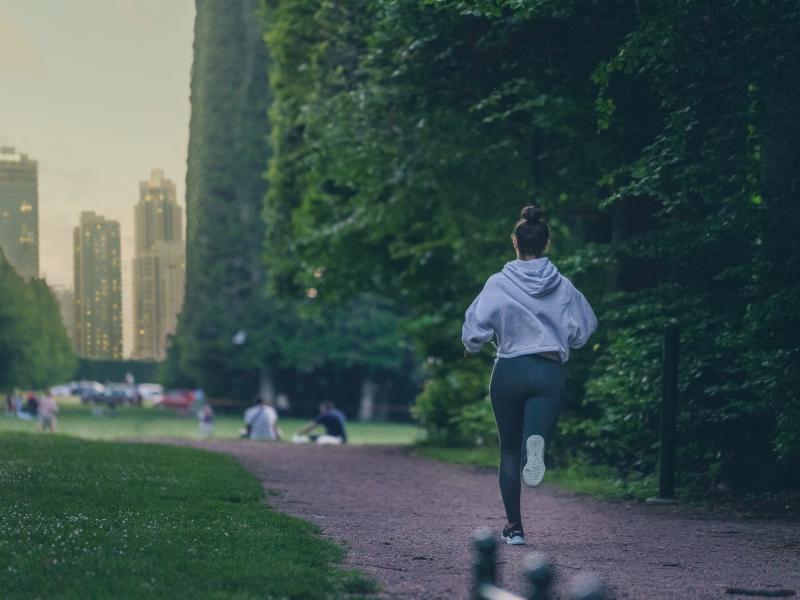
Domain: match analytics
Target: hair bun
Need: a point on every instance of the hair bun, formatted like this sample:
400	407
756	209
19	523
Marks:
532	214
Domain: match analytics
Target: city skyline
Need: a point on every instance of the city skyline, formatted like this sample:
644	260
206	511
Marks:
159	262
120	81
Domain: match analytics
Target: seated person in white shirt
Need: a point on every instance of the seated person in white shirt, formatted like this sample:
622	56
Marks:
261	422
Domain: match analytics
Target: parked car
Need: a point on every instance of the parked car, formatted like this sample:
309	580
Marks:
178	399
86	389
113	394
151	393
127	393
62	390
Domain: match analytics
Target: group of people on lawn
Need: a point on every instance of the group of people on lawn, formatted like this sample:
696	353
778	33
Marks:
44	408
261	423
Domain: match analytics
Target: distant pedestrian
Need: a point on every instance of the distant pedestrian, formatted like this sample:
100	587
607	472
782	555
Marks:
198	400
10	406
19	405
205	419
332	419
282	403
536	315
47	413
261	421
33	405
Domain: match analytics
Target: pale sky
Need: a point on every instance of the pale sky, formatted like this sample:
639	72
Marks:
97	91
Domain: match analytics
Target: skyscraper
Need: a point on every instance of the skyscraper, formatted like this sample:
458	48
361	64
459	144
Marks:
158	266
19	212
98	288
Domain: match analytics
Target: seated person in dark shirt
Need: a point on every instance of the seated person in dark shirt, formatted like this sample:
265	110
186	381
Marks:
332	420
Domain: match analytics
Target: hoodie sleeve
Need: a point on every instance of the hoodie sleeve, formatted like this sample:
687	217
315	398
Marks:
479	326
583	323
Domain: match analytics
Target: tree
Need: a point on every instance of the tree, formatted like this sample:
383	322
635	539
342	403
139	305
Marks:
35	351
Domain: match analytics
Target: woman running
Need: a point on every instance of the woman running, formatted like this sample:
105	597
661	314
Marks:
537	315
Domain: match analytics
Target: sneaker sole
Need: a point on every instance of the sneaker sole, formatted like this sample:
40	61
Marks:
515	541
533	473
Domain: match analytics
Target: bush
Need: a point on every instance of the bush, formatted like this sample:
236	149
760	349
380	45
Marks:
453	406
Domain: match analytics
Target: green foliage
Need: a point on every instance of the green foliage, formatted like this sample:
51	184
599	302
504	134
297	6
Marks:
235	237
35	351
475	423
446	407
662	141
143	371
363	333
70	529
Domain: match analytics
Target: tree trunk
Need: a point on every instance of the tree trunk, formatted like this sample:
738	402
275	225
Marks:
366	408
266	389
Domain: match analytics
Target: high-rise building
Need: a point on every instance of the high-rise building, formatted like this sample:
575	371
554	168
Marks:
19	212
66	305
98	288
158	266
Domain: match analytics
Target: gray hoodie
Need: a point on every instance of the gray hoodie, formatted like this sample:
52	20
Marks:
530	308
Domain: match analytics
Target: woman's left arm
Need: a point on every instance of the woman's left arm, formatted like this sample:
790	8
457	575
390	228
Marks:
583	322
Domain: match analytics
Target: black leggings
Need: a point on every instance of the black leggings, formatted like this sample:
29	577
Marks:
527	393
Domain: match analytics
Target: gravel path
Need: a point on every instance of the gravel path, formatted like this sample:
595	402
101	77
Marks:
407	522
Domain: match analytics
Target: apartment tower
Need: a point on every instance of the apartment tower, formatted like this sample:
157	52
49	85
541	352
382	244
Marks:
158	266
98	288
19	212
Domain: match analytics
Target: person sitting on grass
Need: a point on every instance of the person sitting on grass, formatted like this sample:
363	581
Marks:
261	421
332	419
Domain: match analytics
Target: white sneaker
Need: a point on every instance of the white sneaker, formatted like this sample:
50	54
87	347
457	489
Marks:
533	473
514	535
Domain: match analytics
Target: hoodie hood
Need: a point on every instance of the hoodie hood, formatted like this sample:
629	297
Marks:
537	277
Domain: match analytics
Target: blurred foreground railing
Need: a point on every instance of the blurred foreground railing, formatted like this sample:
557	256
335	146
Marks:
537	569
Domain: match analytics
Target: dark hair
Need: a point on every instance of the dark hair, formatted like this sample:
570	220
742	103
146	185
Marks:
327	406
531	231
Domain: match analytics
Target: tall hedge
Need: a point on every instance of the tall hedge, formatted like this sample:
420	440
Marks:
225	187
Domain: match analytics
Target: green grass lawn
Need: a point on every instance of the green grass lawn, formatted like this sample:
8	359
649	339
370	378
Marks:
597	481
92	519
137	422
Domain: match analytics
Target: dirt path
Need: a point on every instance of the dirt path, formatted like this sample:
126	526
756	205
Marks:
407	521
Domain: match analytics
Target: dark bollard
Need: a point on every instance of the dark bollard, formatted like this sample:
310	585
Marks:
485	567
666	476
586	586
669	415
539	573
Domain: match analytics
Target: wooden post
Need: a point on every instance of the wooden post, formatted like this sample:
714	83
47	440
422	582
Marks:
485	567
539	573
669	413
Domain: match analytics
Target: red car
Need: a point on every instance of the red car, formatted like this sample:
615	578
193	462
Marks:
179	399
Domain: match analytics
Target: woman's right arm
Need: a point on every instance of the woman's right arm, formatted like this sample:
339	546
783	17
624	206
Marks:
479	325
